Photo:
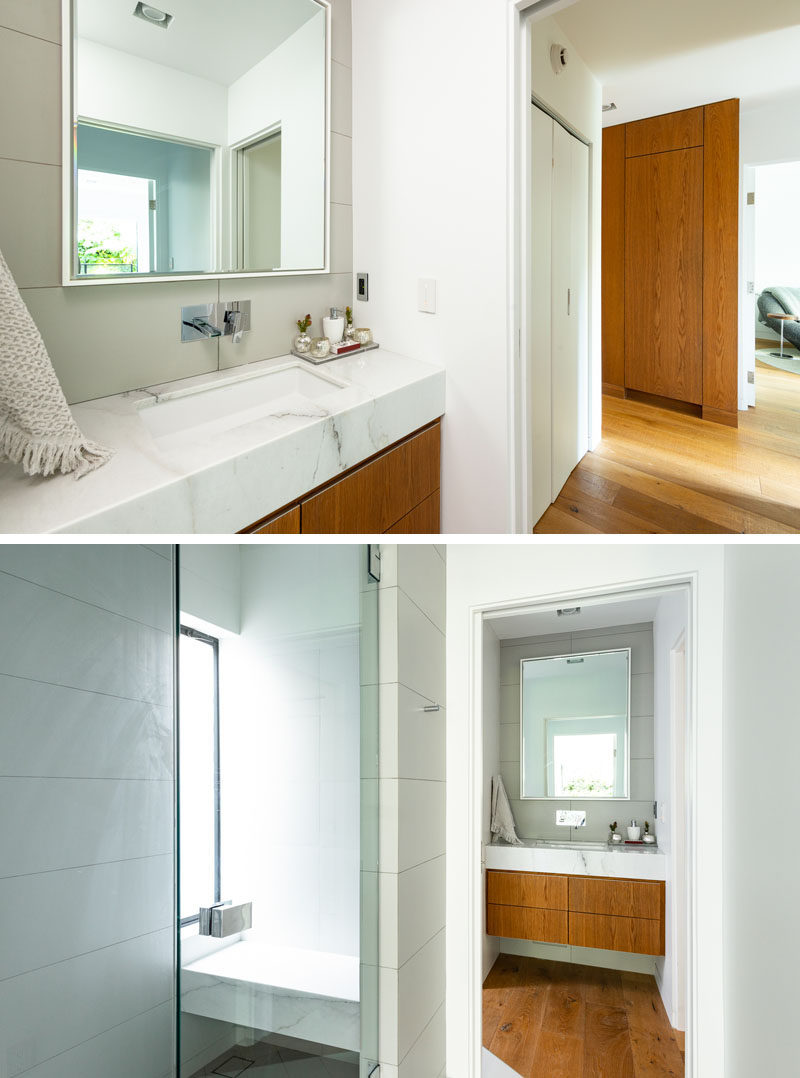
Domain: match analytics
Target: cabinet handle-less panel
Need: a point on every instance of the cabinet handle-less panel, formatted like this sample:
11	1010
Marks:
620	898
635	934
658	134
613	260
527	923
285	524
527	889
664	275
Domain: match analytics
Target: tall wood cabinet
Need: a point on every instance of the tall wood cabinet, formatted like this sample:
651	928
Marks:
670	260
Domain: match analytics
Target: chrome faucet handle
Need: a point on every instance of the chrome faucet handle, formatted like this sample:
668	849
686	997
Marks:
233	323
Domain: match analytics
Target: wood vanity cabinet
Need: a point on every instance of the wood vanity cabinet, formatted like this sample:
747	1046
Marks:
395	491
586	911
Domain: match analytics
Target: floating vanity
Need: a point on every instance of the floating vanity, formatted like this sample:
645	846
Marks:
274	446
584	894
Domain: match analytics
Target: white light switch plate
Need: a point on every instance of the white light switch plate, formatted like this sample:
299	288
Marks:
426	289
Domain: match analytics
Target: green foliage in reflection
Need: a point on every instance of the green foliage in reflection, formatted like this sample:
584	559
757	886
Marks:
100	244
587	786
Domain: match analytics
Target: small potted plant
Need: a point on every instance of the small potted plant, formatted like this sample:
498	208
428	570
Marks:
348	314
302	341
614	836
647	837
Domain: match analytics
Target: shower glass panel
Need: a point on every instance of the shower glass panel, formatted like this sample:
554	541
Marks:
278	795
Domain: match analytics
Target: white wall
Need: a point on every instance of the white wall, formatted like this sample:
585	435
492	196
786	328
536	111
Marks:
761	875
412	812
127	91
290	734
288	88
777	240
80	326
86	799
478	576
671	621
211	585
430	180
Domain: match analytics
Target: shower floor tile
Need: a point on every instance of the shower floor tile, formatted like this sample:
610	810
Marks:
233	1067
282	1057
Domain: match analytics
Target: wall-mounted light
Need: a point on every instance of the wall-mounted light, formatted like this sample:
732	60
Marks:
154	15
610	107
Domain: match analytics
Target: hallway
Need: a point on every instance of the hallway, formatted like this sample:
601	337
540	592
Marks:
657	471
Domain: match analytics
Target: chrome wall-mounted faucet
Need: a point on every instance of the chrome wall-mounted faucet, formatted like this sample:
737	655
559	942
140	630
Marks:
570	818
204	321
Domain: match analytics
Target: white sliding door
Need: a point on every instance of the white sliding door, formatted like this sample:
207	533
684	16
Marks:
570	256
559	361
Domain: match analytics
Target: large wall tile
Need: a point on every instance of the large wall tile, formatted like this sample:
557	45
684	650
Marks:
341	238
421	822
421	652
135	976
30	75
40	19
81	909
342	32
30	238
57	823
46	636
421	989
421	906
427	1055
341	99
97	574
341	170
106	339
50	730
423	579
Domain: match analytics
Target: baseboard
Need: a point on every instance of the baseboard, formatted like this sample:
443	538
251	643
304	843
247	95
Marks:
716	415
611	390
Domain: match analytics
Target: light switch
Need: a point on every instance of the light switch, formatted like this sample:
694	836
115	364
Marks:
426	288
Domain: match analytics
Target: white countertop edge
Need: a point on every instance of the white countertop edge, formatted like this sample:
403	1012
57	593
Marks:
623	864
238	478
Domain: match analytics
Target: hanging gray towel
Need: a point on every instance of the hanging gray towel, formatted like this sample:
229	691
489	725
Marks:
502	823
36	426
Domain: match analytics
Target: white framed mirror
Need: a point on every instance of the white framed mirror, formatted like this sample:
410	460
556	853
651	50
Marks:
196	139
575	726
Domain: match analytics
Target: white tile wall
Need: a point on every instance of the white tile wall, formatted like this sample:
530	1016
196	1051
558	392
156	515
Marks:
108	339
536	819
86	799
412	793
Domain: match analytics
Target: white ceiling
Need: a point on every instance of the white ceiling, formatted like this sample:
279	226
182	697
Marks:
594	614
655	57
217	40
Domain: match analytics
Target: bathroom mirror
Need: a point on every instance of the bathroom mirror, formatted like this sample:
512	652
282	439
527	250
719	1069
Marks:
197	139
575	726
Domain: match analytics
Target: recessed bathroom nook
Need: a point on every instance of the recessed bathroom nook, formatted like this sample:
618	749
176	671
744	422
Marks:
582	712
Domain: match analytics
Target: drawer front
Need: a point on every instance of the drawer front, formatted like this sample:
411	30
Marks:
286	524
525	923
378	495
635	934
657	134
535	889
619	898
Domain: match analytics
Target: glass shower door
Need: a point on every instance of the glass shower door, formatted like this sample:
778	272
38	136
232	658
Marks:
278	817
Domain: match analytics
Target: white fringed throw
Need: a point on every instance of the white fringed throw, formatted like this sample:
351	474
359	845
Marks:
36	426
502	823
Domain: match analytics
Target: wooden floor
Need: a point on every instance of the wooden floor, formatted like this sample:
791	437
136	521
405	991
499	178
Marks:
658	471
557	1020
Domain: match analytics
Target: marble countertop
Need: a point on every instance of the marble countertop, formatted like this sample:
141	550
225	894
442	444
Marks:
626	862
225	482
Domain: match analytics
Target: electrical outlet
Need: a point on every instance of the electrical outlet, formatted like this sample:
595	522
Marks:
751	378
362	286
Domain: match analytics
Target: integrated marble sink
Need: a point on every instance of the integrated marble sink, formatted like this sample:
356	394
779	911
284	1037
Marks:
578	859
201	411
553	845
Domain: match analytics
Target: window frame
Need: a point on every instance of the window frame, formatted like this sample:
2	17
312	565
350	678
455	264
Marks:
213	642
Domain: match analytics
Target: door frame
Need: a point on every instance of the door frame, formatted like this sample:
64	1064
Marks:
520	327
703	747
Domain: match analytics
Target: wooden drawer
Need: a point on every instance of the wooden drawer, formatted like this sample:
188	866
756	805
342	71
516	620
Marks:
423	520
619	898
525	923
376	496
635	934
283	524
533	889
672	131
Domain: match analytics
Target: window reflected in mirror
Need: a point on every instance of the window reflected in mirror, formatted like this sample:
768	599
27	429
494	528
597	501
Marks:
575	726
199	138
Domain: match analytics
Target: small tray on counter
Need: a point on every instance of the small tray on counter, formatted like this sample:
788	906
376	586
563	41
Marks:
333	355
627	845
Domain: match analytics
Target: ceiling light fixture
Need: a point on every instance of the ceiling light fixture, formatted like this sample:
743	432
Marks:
610	107
154	15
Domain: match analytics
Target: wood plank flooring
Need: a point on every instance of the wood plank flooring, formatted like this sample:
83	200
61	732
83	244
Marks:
657	471
559	1020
